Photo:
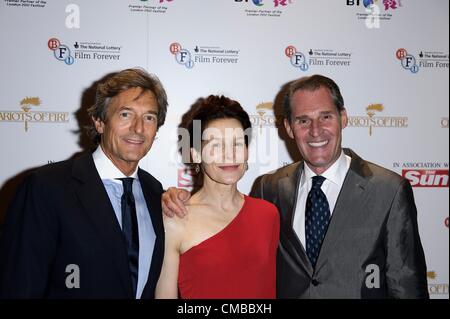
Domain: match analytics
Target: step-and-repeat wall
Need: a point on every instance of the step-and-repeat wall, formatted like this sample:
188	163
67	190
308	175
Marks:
390	58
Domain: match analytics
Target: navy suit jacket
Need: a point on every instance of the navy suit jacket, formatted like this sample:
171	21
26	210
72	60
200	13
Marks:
62	216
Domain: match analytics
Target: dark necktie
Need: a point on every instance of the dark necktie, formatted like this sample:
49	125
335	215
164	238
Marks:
317	217
130	229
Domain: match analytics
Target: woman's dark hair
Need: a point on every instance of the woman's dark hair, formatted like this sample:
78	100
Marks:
214	107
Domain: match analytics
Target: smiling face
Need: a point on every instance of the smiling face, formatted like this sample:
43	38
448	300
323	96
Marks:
224	153
130	128
316	126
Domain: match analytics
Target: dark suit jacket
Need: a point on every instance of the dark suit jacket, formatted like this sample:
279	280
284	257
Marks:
61	216
374	223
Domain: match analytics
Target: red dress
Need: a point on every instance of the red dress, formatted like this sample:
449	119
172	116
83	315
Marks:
239	261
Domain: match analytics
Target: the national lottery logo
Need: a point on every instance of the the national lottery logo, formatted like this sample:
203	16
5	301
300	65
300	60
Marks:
202	54
83	50
424	59
318	57
297	58
182	56
60	51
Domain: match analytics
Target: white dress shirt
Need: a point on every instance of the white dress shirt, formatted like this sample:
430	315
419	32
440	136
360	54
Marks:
335	176
109	173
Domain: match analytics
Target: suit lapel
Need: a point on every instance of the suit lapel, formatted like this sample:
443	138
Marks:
288	193
153	200
96	203
352	200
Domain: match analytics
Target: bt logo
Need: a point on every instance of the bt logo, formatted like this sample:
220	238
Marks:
258	3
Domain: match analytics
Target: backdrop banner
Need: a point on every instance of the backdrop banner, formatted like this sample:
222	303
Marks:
389	57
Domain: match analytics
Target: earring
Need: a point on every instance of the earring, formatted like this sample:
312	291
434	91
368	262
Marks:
197	168
246	166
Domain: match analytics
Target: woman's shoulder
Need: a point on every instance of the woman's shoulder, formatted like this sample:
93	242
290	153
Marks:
175	224
177	221
261	206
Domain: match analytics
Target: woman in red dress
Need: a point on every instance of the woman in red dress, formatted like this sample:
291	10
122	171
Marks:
226	246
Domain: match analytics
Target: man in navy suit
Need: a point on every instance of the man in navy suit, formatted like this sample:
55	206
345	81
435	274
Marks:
91	227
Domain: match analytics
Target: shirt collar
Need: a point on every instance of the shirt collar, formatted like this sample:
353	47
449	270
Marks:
335	173
105	167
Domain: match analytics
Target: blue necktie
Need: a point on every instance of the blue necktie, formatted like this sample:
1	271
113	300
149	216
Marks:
130	229
317	217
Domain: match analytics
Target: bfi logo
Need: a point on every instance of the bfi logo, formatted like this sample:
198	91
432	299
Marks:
60	51
182	56
297	58
407	60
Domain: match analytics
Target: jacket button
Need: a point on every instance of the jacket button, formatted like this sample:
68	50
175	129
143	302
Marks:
315	282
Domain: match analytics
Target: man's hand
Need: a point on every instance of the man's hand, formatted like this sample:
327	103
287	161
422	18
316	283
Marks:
173	202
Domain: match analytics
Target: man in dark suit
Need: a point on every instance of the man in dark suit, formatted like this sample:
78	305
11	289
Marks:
91	227
348	227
